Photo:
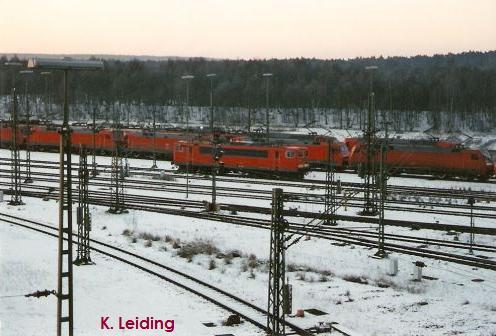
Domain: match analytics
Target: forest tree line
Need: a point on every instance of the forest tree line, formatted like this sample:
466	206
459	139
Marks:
462	83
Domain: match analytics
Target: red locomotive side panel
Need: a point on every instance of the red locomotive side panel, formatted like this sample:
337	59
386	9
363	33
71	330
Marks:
6	135
105	140
166	140
317	147
245	158
48	138
143	142
81	136
318	154
441	159
44	138
139	141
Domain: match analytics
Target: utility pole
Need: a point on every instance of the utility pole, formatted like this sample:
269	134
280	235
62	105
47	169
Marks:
15	168
249	119
471	202
267	115
279	292
211	76
27	128
383	177
65	211
117	175
215	152
330	196
94	171
65	275
187	78
83	211
46	74
154	165
370	170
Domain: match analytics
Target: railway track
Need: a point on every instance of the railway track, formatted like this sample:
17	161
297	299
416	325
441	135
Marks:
409	191
219	297
341	235
349	199
50	192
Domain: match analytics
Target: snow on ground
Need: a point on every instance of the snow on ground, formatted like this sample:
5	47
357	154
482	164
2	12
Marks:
324	276
109	288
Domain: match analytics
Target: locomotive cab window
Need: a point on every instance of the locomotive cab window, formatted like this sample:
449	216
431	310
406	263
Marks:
179	148
290	154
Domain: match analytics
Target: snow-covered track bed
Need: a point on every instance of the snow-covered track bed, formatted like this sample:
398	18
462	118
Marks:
394	243
393	187
232	303
393	203
103	197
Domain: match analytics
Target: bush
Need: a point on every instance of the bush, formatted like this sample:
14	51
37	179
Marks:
384	283
252	262
134	240
127	233
348	296
191	249
291	268
301	276
234	253
211	264
356	279
148	243
415	289
148	236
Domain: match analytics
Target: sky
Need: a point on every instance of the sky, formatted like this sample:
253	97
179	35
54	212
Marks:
248	28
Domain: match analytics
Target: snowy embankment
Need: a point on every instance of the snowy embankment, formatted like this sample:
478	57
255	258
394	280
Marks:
108	288
343	281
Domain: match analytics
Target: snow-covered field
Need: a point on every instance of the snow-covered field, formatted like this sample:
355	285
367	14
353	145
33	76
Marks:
28	263
344	281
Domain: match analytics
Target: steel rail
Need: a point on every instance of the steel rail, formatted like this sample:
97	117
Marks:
298	330
298	229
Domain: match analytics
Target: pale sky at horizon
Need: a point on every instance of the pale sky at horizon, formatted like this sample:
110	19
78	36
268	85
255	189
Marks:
248	29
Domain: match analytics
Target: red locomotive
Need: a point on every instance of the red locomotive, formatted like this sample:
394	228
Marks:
267	161
6	135
438	158
47	138
140	143
290	154
318	153
317	147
